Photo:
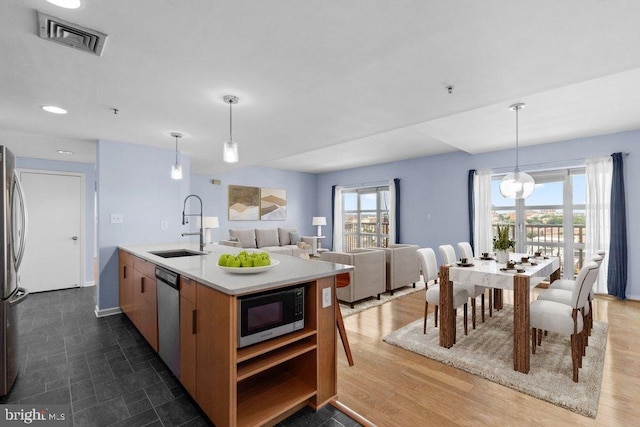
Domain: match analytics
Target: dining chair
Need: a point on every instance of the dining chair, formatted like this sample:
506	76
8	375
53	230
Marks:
429	267
565	319
465	250
448	255
560	291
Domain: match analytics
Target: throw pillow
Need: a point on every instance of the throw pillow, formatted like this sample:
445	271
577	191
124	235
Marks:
267	237
295	237
233	239
283	234
247	238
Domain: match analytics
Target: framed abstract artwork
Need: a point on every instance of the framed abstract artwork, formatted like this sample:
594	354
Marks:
244	203
273	204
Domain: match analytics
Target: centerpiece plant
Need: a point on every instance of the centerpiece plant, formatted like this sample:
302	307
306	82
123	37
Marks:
502	242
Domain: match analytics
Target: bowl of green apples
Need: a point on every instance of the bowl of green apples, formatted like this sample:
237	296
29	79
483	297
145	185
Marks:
246	262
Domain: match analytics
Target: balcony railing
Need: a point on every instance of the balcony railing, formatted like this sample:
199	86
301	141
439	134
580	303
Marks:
549	239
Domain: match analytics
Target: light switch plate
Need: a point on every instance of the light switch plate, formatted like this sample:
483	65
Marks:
326	297
116	218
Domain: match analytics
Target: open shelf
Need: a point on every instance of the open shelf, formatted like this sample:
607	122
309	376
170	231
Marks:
273	344
270	395
273	358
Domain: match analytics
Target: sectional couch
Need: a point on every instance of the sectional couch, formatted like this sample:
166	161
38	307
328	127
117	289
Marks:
280	240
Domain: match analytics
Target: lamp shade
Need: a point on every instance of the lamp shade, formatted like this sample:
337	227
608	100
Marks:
230	152
517	185
209	222
176	171
319	220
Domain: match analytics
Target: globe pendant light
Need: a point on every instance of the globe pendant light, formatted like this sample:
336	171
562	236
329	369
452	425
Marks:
230	149
517	184
176	169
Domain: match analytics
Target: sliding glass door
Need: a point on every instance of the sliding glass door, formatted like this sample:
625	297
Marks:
366	218
551	220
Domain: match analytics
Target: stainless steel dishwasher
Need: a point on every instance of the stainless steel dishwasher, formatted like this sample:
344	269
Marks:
168	290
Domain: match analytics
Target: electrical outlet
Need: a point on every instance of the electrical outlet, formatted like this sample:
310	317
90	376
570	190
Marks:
116	218
326	297
164	225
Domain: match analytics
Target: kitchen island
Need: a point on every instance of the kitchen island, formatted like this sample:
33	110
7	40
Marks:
254	385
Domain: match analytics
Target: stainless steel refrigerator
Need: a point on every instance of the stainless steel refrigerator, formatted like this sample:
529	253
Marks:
12	236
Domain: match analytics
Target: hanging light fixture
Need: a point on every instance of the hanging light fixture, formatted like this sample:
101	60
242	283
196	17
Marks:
176	169
517	185
230	150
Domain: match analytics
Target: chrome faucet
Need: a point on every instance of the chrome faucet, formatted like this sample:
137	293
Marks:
185	220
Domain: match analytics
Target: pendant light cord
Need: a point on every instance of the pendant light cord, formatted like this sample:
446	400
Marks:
176	150
517	149
230	121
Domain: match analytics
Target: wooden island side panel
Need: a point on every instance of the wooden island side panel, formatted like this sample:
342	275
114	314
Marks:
215	355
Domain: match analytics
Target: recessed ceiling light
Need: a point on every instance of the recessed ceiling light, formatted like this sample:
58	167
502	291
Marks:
67	4
53	109
65	152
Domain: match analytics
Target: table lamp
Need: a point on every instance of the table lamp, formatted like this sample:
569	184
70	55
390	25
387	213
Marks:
209	223
319	221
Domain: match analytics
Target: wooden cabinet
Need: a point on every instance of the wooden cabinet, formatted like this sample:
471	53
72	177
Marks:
146	307
125	274
188	329
265	382
137	295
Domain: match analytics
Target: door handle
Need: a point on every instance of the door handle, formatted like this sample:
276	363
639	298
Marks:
74	238
193	322
142	285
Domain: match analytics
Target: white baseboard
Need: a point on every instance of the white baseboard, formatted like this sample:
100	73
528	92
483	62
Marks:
107	311
88	284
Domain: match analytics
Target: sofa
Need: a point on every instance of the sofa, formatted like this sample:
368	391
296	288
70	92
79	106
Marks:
280	240
368	276
403	267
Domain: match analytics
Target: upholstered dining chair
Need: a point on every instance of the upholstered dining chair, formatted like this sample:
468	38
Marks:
429	267
448	255
465	250
569	284
561	292
565	319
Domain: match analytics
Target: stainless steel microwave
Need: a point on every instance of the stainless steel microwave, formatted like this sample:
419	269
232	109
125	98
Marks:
270	314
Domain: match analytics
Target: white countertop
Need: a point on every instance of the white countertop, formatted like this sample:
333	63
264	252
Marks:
204	268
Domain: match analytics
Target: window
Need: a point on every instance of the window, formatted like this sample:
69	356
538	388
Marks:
365	213
542	222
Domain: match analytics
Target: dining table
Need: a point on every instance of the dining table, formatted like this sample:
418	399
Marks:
491	274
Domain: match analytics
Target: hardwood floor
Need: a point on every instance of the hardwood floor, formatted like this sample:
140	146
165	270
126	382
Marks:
395	387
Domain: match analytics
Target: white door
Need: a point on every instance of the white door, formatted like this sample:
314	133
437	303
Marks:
54	249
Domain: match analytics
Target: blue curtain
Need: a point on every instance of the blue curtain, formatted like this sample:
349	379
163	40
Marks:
396	184
471	202
617	273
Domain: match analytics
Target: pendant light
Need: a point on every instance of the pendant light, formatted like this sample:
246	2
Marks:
517	185
176	169
230	150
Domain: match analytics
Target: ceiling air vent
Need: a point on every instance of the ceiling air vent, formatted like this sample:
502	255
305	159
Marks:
60	31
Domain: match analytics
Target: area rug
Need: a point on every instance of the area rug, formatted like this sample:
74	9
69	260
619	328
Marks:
488	352
347	311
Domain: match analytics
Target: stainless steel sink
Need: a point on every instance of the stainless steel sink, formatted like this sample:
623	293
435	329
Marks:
176	253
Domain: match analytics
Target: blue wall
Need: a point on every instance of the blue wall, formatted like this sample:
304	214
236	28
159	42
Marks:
301	197
135	181
88	169
434	188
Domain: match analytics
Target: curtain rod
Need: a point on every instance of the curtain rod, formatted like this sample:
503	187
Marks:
533	166
365	184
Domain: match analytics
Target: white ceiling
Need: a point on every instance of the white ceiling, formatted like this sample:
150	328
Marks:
323	85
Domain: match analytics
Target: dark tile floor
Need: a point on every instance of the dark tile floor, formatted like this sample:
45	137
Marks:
105	370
